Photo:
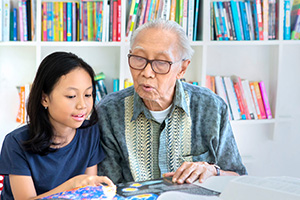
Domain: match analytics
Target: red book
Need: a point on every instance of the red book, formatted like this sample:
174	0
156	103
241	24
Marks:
115	21
240	100
260	19
119	21
65	21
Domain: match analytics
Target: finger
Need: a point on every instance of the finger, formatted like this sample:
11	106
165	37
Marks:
187	172
168	174
179	171
194	176
107	181
205	175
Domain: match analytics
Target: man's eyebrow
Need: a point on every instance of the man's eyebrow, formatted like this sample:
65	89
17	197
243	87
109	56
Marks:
160	52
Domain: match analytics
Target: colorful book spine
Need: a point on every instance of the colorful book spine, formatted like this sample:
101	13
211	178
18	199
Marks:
69	21
217	19
255	20
6	18
253	94
265	8
287	20
119	17
133	18
236	20
249	100
222	21
235	109
259	100
244	20
295	20
21	29
240	100
74	21
28	19
115	21
25	31
265	99
228	20
196	20
220	90
100	23
191	6
15	25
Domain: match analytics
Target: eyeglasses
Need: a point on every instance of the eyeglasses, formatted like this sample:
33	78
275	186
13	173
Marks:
158	66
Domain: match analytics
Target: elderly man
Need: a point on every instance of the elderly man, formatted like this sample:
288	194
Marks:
162	126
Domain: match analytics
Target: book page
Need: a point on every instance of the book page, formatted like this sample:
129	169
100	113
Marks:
216	183
175	195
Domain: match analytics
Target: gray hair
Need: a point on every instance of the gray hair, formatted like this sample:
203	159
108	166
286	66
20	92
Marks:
186	51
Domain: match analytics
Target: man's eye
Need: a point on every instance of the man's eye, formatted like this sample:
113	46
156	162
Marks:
71	97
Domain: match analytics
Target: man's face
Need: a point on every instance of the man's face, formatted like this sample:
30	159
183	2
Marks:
161	45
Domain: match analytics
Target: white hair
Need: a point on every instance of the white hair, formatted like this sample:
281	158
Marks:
185	49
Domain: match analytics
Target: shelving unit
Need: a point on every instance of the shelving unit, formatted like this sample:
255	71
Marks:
270	61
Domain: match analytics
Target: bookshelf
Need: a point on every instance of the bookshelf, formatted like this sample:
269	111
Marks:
271	61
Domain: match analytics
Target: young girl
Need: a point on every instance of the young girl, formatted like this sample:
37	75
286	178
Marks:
59	149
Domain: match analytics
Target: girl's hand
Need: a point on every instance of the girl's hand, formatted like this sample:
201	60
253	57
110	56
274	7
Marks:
83	180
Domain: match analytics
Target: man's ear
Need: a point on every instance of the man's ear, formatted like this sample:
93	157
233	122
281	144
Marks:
184	66
45	100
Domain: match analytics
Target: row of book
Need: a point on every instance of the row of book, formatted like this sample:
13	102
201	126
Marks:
184	12
291	24
17	20
244	20
245	99
83	21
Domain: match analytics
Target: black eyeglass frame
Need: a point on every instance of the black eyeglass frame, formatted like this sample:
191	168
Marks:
151	61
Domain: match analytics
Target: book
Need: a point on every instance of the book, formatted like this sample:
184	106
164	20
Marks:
244	107
265	15
265	99
244	20
220	90
191	6
259	100
255	19
287	20
236	18
196	20
249	100
295	20
235	109
253	94
217	20
5	20
222	21
155	189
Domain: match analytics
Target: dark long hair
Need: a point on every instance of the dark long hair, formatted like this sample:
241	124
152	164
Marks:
49	72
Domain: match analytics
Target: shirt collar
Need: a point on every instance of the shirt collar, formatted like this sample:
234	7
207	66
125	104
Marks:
179	101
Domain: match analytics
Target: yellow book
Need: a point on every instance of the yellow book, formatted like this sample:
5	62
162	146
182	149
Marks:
61	21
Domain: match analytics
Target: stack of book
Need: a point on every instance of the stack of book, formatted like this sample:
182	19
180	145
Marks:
245	100
244	20
84	21
17	20
184	12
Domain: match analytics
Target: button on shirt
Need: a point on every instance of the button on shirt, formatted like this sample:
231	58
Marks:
140	148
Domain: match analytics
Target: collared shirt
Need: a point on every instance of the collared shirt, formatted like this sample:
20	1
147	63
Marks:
140	148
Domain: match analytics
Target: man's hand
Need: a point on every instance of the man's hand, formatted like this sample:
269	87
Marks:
190	171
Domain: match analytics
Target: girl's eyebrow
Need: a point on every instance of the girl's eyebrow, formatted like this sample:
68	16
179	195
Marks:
72	88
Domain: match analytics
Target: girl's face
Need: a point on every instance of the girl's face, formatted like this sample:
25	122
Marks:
70	101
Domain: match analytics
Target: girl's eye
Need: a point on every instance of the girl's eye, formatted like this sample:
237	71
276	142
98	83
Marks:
71	97
88	95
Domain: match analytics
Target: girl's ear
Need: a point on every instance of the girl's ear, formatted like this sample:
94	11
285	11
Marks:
45	100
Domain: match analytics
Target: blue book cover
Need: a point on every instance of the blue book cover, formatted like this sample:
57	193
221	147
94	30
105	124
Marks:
244	21
255	21
69	21
236	22
15	25
99	28
50	36
196	20
116	85
222	21
218	24
287	20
